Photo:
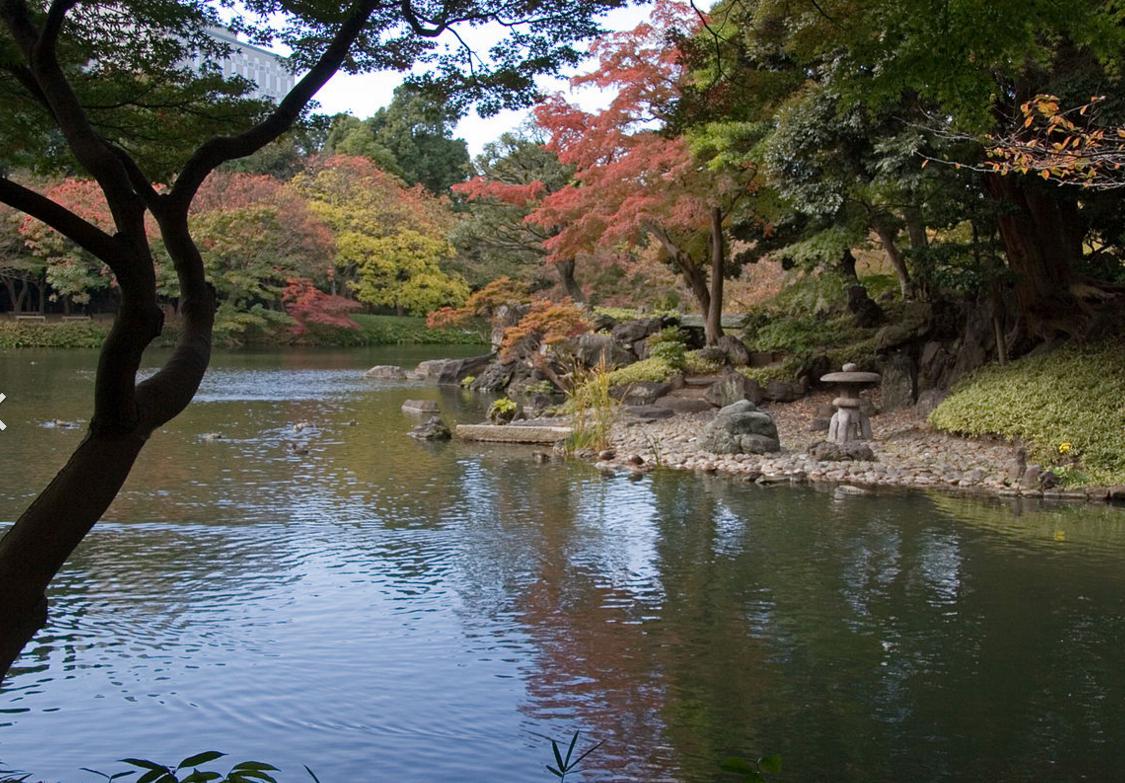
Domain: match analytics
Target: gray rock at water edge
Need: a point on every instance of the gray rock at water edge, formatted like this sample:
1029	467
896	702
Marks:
740	428
1016	467
855	451
648	412
429	370
734	387
898	383
929	400
1032	475
494	378
1116	493
737	354
386	372
644	392
594	349
456	370
845	490
419	406
431	429
607	454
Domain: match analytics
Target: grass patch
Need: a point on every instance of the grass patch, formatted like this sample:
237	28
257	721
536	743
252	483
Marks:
396	330
52	334
374	330
1068	408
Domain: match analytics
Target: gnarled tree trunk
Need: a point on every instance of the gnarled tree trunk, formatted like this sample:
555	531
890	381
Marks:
887	239
1042	237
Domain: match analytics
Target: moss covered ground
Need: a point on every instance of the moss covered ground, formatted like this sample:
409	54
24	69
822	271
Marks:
1067	407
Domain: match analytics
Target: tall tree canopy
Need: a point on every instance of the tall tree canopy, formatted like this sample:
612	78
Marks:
413	138
99	87
842	101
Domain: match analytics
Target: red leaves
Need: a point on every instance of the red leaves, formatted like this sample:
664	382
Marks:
306	304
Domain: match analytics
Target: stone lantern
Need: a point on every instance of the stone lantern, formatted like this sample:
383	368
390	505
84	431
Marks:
849	423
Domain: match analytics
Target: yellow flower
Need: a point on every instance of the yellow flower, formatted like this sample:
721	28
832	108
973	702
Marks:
1065	447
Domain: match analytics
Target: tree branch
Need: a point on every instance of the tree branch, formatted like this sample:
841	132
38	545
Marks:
88	236
217	151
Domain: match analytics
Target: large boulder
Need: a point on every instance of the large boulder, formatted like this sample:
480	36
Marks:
429	370
630	332
740	428
643	392
784	391
734	387
896	389
494	378
737	354
592	349
456	370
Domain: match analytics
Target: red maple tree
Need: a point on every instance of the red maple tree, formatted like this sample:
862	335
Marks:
634	184
308	305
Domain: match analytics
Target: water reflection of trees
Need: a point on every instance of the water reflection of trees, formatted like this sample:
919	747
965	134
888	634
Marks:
873	639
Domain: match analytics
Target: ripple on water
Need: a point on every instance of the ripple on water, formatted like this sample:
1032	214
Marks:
382	609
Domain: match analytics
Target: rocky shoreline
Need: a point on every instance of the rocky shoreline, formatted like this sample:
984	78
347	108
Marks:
909	453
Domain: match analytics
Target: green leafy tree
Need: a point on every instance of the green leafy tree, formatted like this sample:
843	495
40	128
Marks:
887	69
99	86
411	138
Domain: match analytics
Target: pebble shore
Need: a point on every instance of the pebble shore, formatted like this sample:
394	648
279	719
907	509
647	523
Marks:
908	453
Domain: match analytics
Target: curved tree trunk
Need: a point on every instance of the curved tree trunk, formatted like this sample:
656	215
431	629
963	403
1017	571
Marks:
569	282
887	238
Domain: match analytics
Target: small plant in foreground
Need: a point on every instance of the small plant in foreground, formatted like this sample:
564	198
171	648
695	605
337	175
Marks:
750	771
467	381
189	771
502	411
564	765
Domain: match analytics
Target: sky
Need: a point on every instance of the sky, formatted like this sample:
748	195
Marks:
362	94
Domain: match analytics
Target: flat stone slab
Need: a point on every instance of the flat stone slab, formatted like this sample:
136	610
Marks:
684	404
419	406
649	412
506	433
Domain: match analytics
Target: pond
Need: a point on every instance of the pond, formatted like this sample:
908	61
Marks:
382	609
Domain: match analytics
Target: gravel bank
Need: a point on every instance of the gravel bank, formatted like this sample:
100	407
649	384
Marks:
908	453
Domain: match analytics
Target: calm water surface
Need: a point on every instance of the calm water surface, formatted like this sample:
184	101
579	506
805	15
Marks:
385	610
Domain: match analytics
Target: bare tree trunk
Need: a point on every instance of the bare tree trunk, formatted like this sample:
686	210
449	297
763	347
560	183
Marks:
713	327
569	282
887	238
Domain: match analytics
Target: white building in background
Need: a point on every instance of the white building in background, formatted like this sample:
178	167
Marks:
265	69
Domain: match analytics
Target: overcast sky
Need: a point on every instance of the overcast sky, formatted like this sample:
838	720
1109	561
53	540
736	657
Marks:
362	94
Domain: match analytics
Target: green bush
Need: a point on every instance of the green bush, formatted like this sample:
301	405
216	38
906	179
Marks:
52	334
695	364
651	369
394	330
1068	407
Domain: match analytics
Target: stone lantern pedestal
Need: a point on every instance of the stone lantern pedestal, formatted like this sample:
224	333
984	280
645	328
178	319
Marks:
849	424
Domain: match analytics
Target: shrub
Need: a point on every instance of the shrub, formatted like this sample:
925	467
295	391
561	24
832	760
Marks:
651	369
481	304
1073	396
696	364
546	323
67	334
502	411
